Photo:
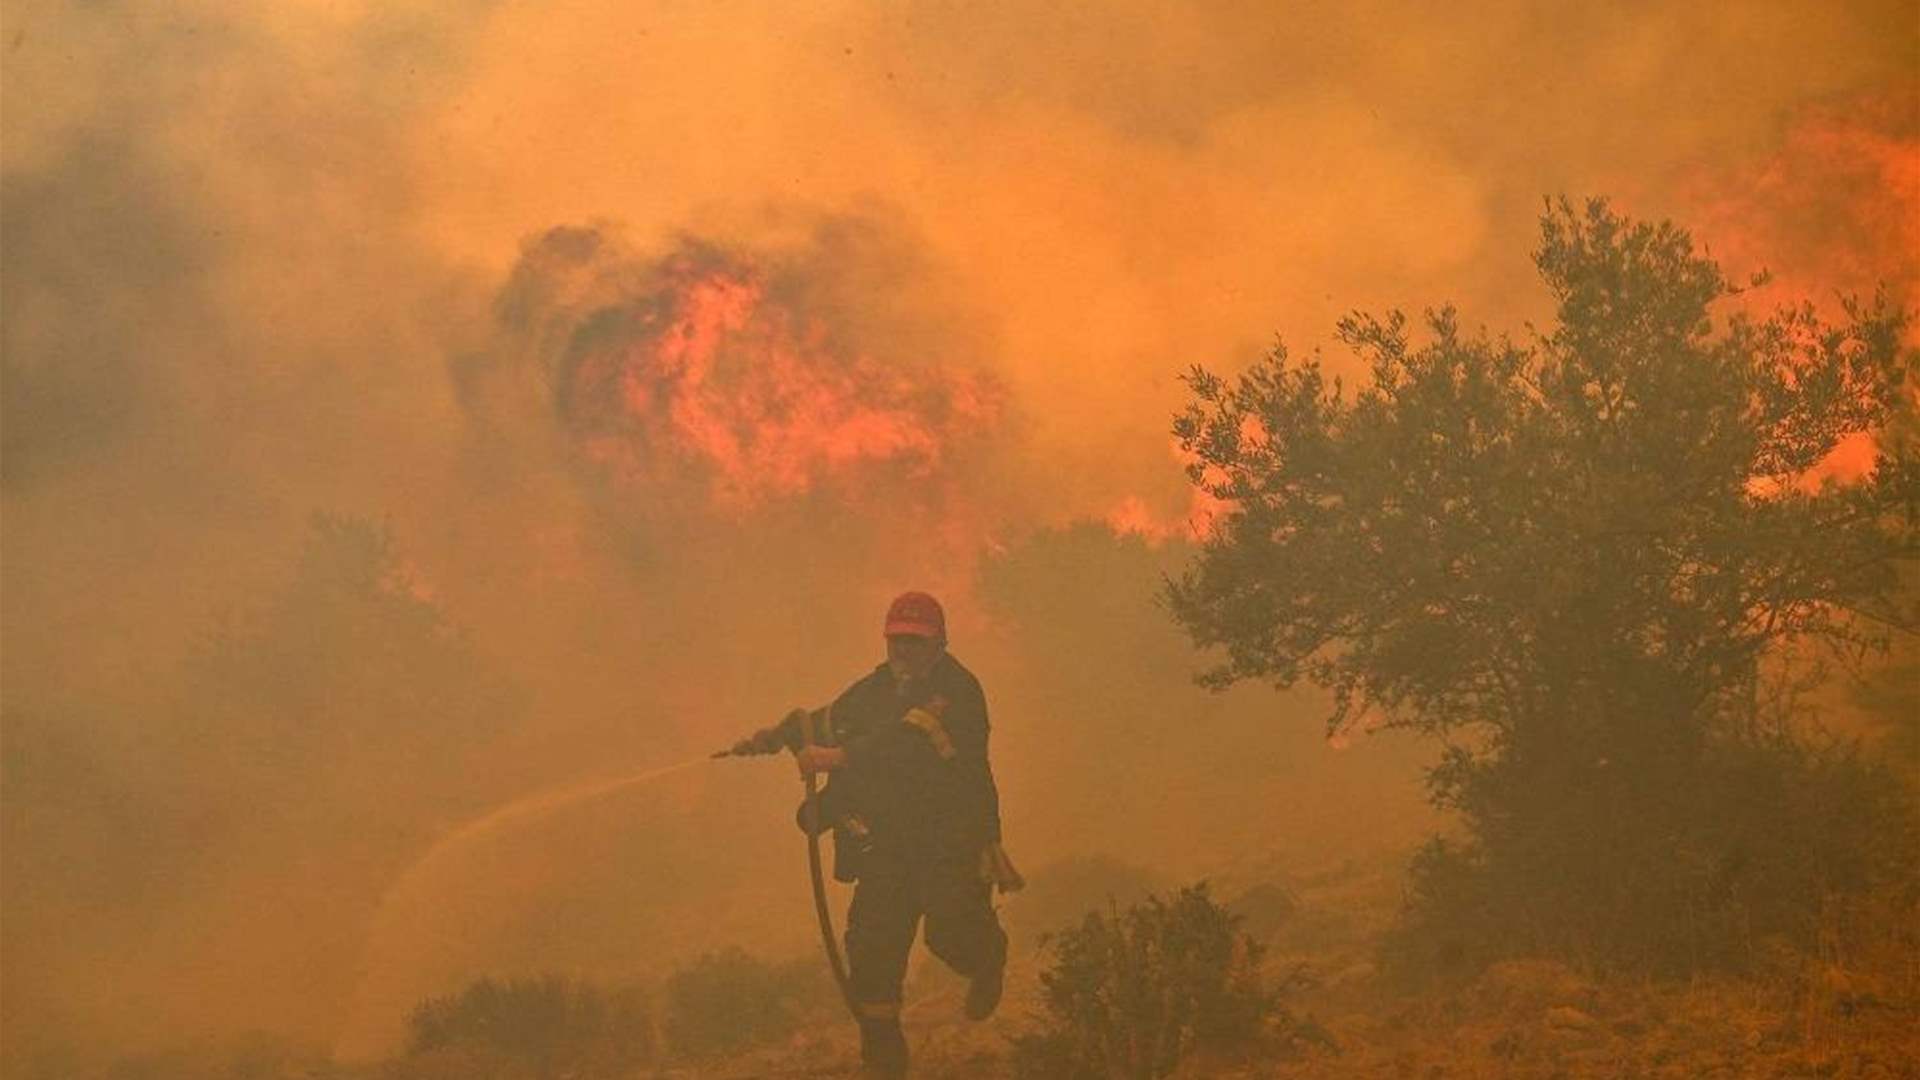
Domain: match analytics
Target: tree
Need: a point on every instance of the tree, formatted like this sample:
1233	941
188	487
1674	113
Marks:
1595	562
344	679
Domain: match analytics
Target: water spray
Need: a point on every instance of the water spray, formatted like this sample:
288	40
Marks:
358	1040
797	732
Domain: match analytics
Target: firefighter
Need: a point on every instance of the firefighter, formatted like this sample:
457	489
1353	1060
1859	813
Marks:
916	822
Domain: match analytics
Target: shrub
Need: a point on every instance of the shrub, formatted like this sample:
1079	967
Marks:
1677	867
1131	993
539	1027
729	1000
251	1056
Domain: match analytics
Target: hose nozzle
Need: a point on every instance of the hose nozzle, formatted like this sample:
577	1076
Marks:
765	741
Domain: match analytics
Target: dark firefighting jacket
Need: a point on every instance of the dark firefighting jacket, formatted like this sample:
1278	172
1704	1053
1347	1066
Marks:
917	780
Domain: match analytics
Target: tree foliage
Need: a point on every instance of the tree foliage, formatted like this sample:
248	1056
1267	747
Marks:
349	664
1590	559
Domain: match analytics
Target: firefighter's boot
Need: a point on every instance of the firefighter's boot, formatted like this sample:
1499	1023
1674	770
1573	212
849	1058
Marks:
883	1049
983	992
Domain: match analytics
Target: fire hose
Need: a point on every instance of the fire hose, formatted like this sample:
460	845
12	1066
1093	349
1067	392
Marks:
763	744
828	938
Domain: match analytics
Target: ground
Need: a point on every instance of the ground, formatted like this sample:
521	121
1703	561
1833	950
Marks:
1803	1018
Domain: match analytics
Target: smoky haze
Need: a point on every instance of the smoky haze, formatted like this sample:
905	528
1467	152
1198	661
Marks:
410	408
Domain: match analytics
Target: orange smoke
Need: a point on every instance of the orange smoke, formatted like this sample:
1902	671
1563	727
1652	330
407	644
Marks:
1833	211
724	372
1132	516
1836	207
1135	516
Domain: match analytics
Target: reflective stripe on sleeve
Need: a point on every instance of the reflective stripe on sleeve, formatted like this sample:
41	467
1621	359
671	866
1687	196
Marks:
929	723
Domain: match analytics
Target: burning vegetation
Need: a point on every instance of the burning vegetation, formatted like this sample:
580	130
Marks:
381	562
1571	580
752	378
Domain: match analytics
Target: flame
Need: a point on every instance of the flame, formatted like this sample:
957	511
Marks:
1836	204
719	373
1133	515
1836	207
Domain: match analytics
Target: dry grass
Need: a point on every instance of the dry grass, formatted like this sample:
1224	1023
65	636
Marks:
1849	1012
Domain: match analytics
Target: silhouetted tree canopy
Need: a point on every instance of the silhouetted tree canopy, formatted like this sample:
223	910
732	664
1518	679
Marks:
1584	558
1616	511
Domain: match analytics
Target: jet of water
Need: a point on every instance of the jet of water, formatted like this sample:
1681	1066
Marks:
370	1030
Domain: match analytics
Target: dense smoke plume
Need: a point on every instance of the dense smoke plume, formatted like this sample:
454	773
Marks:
717	368
1833	210
410	407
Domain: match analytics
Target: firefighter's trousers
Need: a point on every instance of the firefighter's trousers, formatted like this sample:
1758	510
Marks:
895	893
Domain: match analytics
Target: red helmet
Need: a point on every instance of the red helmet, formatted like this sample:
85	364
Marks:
918	615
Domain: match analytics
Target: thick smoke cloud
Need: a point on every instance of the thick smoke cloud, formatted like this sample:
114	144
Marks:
751	379
394	266
1833	210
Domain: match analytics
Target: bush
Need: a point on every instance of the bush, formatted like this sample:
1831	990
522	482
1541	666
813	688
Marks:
729	1000
1132	993
251	1056
540	1027
1703	862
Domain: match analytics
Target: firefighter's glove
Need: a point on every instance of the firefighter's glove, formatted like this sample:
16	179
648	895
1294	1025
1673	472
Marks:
819	759
997	870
